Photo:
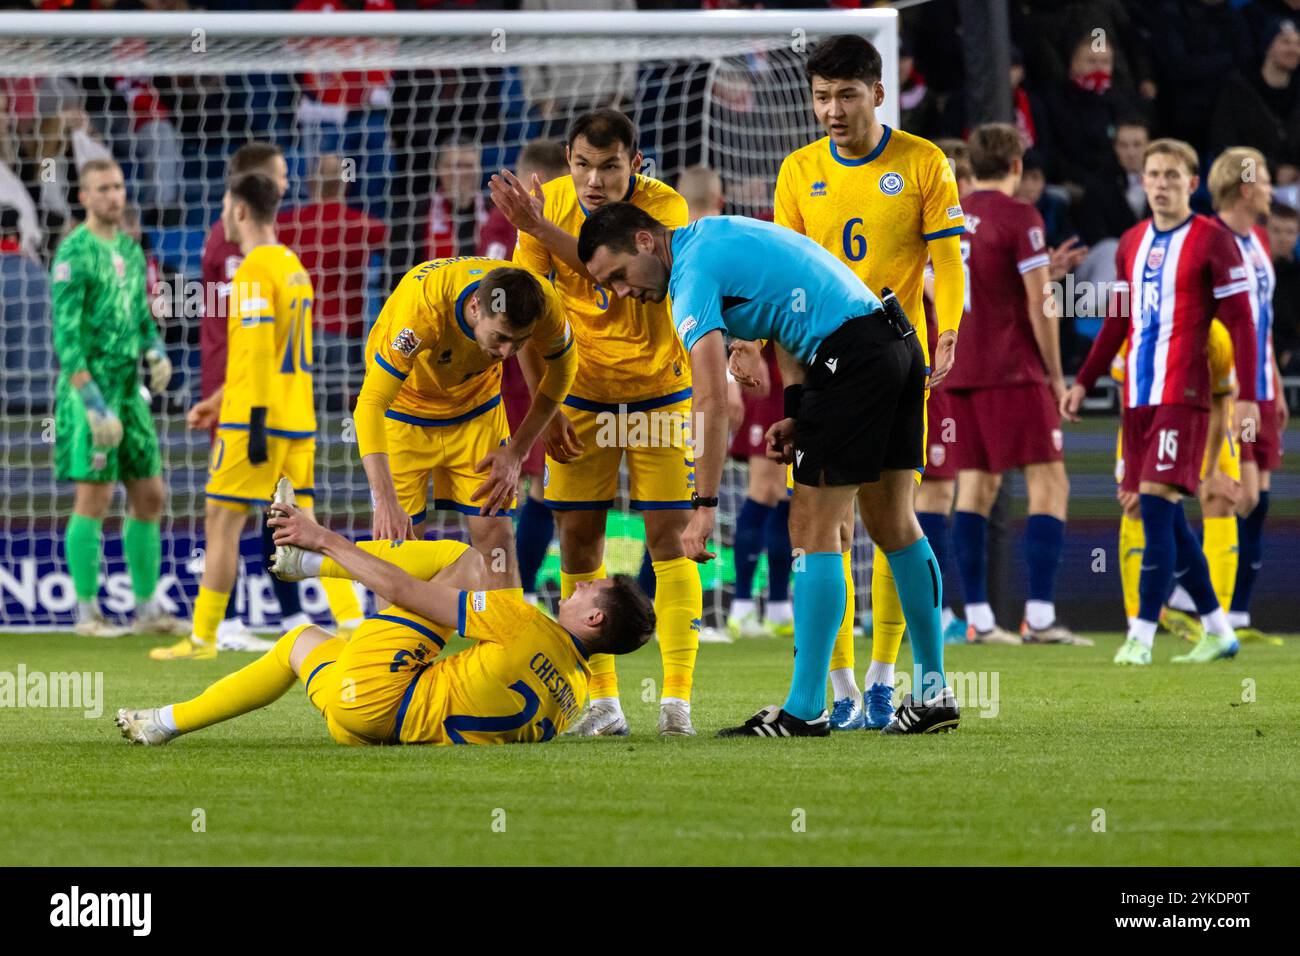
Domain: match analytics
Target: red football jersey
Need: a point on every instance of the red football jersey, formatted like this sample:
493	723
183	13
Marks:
220	260
496	239
1004	239
1170	283
334	242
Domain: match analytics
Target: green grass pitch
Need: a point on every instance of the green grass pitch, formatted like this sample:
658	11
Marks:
1181	765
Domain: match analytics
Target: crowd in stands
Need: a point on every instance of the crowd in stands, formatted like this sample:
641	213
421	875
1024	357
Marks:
389	167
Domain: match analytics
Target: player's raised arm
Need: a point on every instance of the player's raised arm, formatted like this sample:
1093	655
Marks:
538	236
430	599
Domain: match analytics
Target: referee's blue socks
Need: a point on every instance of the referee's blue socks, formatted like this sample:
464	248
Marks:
920	592
819	596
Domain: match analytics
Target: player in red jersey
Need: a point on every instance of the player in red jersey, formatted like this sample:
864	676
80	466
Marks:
1176	272
1242	202
1003	394
533	534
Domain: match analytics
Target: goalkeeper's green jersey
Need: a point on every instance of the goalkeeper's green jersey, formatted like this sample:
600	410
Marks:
102	321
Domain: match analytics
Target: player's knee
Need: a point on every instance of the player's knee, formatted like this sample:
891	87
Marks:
92	499
296	645
146	501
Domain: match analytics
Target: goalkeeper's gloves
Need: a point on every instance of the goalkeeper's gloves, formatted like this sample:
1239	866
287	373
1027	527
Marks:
105	427
257	435
160	368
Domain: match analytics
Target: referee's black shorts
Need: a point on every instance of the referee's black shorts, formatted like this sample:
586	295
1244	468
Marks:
863	407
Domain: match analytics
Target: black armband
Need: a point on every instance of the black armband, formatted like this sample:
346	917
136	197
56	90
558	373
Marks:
793	399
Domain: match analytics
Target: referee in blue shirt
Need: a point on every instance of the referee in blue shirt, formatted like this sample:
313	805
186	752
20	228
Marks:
855	400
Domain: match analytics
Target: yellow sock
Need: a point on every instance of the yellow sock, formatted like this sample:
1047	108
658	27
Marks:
604	680
887	623
262	682
842	655
679	609
1220	546
342	598
420	559
1132	542
209	611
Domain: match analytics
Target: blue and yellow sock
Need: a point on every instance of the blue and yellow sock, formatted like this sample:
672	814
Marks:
920	593
818	610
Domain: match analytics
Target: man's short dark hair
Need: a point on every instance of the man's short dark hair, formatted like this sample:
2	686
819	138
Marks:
604	128
844	57
514	293
993	148
259	192
629	616
614	225
544	155
253	156
1280	210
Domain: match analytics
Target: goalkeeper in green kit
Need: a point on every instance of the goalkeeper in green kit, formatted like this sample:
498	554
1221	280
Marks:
104	432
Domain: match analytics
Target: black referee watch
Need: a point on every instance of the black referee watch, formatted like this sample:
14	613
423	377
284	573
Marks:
698	502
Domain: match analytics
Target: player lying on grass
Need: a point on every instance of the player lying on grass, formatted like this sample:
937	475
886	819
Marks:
523	680
855	392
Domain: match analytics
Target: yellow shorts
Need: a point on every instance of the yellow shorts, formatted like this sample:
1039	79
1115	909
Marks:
654	433
445	450
1229	458
365	687
234	482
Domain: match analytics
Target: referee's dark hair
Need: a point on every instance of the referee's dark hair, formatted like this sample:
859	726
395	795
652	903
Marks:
844	57
513	293
629	616
259	193
615	225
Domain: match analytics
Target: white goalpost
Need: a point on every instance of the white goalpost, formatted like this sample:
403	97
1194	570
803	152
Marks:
391	95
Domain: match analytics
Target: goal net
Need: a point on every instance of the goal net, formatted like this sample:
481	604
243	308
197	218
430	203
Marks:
399	117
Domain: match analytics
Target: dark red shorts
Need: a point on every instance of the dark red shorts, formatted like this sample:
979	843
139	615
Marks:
997	429
939	427
1266	450
516	398
1165	444
760	414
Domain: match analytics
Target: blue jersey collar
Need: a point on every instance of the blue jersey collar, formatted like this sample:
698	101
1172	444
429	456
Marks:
460	310
863	160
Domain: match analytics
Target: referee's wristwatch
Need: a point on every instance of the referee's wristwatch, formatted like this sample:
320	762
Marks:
698	502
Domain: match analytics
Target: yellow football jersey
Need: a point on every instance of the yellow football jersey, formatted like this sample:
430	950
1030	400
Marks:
875	213
523	681
421	337
627	350
269	355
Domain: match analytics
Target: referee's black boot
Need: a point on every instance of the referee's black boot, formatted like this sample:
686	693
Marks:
939	716
774	722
